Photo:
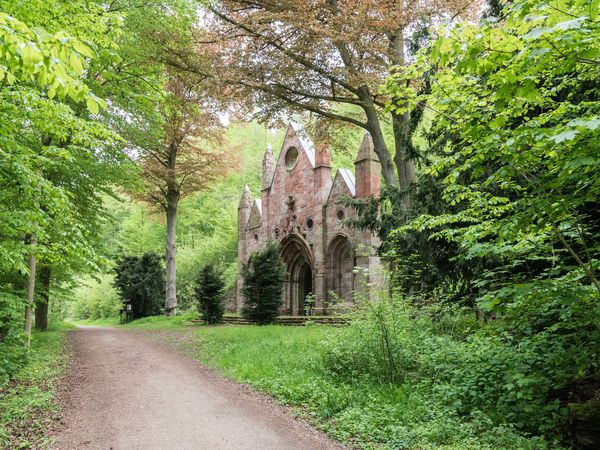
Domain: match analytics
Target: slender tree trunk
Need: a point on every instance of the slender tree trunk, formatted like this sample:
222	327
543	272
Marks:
42	300
30	291
171	300
403	161
405	165
379	145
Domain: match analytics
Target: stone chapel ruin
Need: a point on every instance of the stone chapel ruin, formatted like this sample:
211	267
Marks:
300	207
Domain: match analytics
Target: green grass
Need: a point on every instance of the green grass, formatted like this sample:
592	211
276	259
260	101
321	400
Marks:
104	322
288	363
146	323
27	402
162	322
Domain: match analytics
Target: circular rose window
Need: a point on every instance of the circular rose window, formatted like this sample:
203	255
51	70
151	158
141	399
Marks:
340	214
291	158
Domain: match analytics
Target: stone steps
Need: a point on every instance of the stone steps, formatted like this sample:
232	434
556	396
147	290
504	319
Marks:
288	320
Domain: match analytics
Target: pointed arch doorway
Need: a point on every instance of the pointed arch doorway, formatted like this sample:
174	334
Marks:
300	274
341	260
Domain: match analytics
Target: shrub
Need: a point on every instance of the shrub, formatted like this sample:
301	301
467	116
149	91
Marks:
12	354
381	344
508	372
209	294
141	283
263	284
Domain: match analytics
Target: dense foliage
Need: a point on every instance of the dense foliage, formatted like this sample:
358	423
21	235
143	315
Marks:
501	373
56	158
209	294
140	282
503	219
93	298
263	278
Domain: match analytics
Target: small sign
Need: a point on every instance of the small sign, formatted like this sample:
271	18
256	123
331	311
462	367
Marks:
128	307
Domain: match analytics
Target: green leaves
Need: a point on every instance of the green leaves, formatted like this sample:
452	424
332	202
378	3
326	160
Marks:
514	146
55	62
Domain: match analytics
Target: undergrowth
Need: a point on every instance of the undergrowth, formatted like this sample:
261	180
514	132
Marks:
292	365
27	400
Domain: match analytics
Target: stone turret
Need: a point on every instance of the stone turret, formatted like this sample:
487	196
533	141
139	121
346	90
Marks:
244	209
268	167
322	172
367	169
245	200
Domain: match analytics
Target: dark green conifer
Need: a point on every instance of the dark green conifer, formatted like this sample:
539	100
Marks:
263	284
209	294
140	282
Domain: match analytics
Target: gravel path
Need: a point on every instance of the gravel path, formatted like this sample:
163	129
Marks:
126	391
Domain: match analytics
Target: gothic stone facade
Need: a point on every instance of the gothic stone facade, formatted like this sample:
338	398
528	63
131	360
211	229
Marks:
300	207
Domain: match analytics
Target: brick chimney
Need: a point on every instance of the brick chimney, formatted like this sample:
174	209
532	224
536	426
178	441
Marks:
367	169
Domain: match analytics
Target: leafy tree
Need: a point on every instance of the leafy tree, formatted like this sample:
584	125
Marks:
186	161
263	284
514	170
325	57
209	294
93	298
163	115
44	67
141	283
520	96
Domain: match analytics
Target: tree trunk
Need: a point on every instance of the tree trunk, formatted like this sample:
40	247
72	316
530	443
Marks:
30	291
379	145
42	300
405	165
171	300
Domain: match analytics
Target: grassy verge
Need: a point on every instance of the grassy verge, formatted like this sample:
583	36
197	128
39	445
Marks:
162	323
147	323
288	363
27	402
105	322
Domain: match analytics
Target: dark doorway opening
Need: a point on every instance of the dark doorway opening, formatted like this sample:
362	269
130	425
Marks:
305	286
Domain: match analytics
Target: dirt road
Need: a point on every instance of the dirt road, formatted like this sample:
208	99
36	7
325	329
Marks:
126	391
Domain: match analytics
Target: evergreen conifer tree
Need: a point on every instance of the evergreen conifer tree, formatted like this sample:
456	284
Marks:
263	283
140	282
209	294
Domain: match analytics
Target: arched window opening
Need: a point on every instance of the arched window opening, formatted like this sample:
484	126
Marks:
340	262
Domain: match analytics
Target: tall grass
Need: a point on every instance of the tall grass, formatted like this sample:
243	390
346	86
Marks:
290	363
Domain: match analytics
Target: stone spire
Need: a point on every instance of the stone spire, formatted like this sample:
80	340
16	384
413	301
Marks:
367	169
244	209
268	167
247	199
366	150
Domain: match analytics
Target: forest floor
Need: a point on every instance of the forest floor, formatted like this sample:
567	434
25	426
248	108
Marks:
126	390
